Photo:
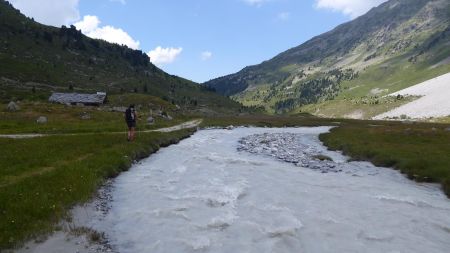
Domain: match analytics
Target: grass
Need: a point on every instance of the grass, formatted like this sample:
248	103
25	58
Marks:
366	107
67	119
419	150
268	121
391	76
41	178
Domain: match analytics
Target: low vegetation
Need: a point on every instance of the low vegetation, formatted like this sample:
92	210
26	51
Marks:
419	150
74	119
268	121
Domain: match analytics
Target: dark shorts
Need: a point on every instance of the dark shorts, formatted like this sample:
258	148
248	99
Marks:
131	124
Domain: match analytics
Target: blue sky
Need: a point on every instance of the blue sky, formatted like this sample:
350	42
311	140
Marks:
200	39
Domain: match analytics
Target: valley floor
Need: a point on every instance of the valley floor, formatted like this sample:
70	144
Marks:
48	175
261	190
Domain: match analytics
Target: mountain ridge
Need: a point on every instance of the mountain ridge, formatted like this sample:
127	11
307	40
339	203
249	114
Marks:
398	33
36	59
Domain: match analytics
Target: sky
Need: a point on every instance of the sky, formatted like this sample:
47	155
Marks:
200	39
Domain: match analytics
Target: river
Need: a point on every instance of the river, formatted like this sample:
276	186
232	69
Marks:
208	195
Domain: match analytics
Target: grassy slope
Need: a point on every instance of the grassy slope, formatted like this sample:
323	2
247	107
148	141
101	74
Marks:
365	108
64	119
388	77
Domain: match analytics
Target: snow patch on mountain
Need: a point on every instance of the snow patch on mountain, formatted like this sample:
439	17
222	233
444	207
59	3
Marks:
433	102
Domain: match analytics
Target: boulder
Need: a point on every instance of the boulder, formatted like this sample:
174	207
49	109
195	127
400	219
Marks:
150	120
42	120
119	109
408	122
85	116
12	107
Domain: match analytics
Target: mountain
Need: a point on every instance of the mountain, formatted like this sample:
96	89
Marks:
36	59
347	71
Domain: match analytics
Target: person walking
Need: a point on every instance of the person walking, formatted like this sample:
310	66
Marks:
130	118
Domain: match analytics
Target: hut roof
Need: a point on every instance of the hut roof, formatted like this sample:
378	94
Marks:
74	98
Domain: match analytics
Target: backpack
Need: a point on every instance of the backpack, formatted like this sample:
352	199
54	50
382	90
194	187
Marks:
129	115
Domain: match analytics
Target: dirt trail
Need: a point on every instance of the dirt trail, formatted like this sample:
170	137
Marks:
185	125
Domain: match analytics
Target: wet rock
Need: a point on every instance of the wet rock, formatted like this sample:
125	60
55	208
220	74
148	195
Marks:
12	106
42	120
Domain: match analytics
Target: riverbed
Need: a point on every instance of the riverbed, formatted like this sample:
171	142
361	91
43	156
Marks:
266	190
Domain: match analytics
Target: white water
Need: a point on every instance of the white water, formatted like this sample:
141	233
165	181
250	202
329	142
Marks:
202	195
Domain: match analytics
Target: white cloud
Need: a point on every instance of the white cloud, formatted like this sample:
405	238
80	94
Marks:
49	12
206	55
65	12
114	35
283	16
88	24
352	8
161	56
90	27
257	3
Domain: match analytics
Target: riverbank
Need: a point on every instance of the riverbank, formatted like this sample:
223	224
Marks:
419	150
43	177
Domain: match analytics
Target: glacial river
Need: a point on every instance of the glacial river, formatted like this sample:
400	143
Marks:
207	195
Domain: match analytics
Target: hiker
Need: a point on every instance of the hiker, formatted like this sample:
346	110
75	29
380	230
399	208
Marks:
130	118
